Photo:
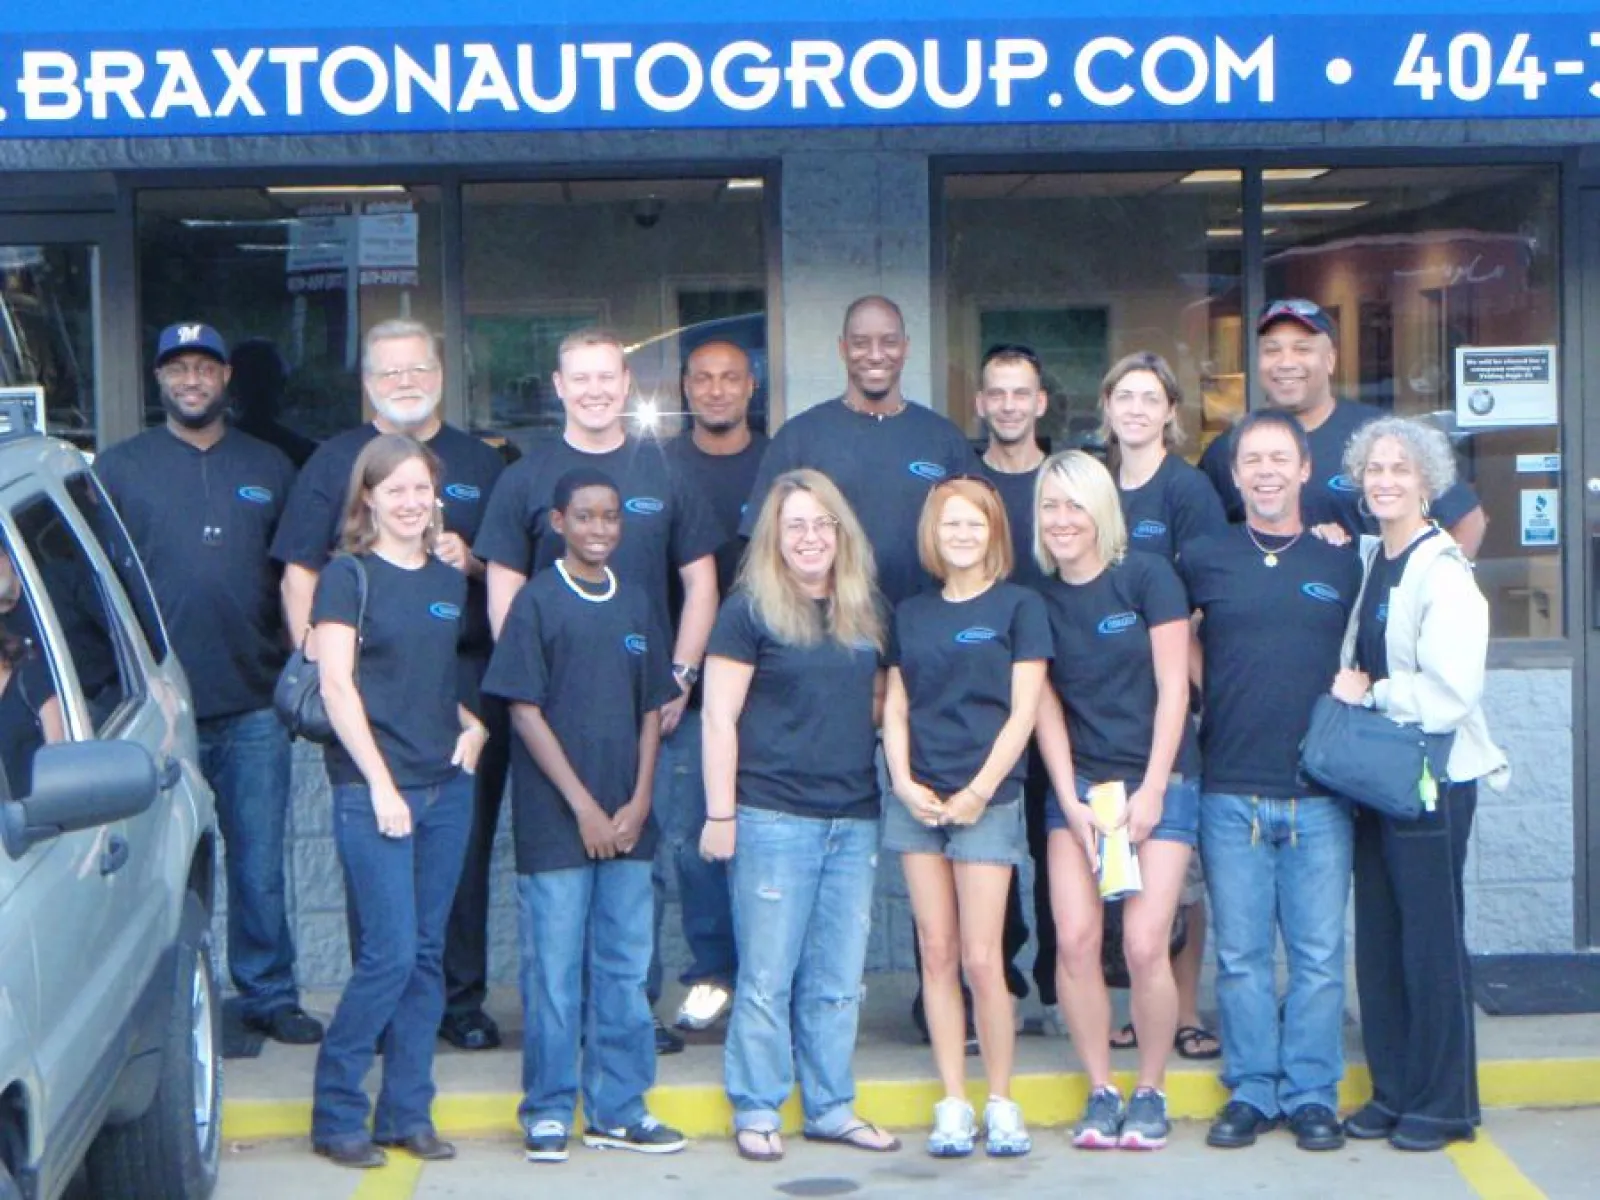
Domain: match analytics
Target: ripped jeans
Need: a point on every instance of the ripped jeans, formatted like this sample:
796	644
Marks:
802	911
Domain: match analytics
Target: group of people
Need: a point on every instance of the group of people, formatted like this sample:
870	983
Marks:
757	664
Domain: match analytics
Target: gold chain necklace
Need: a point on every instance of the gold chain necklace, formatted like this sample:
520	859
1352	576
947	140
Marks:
1269	556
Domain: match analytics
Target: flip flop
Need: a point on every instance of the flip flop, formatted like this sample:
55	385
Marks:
1185	1041
852	1135
1125	1038
770	1149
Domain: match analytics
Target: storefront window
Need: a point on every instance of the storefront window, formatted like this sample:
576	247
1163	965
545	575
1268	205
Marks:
308	269
1443	284
667	263
47	322
1087	268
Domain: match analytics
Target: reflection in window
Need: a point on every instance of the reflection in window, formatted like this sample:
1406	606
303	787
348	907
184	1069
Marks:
47	322
667	263
306	269
30	712
1415	264
1086	268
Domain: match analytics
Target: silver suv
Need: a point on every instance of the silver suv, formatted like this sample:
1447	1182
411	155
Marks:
110	1030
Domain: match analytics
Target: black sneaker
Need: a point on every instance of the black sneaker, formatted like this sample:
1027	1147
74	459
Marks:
1369	1123
649	1136
470	1031
1316	1127
1238	1125
291	1025
667	1042
546	1142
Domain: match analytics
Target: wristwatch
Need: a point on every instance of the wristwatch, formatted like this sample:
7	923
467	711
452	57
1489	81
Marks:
686	675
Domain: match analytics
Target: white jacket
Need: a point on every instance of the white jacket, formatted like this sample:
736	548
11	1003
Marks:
1437	636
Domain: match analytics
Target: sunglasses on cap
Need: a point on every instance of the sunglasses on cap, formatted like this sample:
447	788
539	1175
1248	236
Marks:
1302	312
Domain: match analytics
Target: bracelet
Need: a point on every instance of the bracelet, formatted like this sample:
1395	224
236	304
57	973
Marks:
709	817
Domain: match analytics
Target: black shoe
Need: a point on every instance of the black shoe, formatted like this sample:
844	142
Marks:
425	1145
1316	1127
470	1031
1418	1138
667	1042
648	1136
1238	1125
362	1155
1369	1123
291	1025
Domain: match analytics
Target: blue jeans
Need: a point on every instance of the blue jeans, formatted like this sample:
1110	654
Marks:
1279	865
678	803
802	911
401	890
586	920
245	758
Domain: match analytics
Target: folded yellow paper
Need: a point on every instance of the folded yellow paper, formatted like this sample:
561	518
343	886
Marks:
1119	865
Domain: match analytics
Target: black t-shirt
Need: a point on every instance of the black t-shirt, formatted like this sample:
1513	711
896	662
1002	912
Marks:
595	669
1331	496
724	482
1174	506
884	468
1271	637
665	524
1016	493
1372	626
955	659
1103	668
26	692
203	522
407	663
806	736
311	527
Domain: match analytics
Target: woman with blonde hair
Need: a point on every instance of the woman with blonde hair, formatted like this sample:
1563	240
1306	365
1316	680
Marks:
386	620
966	666
1116	714
1415	651
793	688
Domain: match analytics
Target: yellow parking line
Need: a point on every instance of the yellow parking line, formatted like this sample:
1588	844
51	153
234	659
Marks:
396	1181
1490	1172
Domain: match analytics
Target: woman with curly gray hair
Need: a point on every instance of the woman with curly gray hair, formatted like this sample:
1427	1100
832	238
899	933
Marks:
1415	651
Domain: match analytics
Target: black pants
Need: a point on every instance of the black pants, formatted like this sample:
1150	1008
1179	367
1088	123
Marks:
466	945
1413	976
1034	790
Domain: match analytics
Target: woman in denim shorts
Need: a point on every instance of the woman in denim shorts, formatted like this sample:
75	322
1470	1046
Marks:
1116	712
966	667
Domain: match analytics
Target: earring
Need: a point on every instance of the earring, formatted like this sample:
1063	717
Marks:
1425	507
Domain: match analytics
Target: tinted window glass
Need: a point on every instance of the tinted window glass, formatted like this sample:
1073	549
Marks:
97	511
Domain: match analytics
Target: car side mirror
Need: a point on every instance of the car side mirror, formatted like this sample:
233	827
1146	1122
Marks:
78	785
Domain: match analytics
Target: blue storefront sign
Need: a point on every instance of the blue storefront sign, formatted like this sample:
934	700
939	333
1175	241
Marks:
75	68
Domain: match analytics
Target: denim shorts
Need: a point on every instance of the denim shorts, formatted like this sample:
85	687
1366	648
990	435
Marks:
1180	811
999	836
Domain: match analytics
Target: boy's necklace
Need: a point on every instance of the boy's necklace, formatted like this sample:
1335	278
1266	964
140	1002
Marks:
592	597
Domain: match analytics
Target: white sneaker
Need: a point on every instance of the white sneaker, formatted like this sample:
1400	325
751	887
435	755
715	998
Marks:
703	1007
955	1129
1005	1136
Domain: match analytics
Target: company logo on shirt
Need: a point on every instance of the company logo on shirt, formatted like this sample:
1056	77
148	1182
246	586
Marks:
1343	483
644	506
255	495
1383	613
927	470
1149	529
863	645
444	611
636	643
462	491
1324	592
976	635
1117	623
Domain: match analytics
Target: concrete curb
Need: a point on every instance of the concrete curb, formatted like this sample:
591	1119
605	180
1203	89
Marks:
1052	1099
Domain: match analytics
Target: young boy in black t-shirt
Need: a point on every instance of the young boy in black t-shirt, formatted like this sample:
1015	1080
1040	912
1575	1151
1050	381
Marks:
584	667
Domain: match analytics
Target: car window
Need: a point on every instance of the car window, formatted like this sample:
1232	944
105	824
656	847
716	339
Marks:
99	514
106	671
30	713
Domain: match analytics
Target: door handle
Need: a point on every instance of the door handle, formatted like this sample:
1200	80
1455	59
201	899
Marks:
171	774
115	855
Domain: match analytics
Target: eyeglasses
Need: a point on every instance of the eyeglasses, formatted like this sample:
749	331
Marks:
204	368
393	375
821	527
1292	308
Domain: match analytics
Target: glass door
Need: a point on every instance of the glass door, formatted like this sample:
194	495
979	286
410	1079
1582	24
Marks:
1587	822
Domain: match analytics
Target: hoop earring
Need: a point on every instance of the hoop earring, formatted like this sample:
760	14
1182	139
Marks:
1425	508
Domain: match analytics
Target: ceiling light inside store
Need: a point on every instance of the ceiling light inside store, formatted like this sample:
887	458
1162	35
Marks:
1270	174
341	189
750	184
1230	232
1315	206
256	223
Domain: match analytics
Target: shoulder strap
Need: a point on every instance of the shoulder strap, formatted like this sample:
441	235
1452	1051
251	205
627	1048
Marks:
361	597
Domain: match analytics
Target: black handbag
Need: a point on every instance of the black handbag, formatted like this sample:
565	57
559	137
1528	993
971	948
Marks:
298	694
1364	756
